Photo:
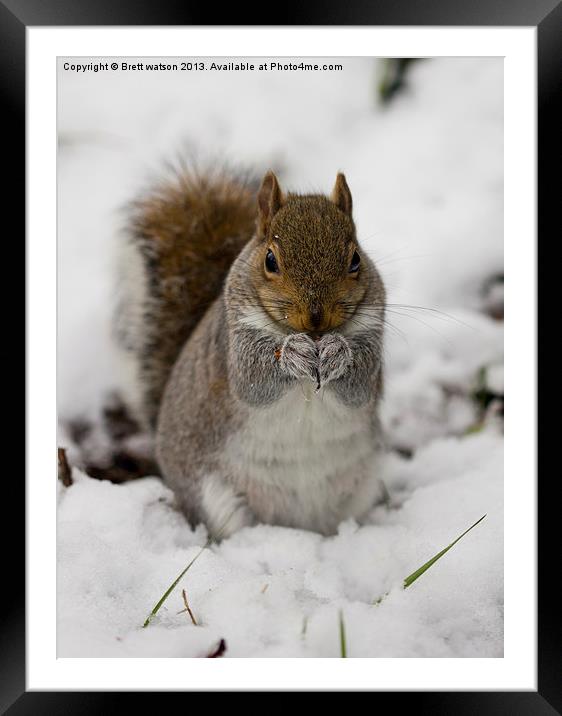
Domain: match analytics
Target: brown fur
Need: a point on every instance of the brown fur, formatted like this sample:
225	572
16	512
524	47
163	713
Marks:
313	239
269	414
190	229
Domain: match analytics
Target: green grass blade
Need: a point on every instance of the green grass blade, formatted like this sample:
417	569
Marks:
173	584
343	647
168	591
412	577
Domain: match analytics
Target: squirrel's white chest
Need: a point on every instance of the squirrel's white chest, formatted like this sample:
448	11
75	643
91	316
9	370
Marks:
303	460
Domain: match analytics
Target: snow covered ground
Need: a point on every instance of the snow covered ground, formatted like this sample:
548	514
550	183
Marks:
427	181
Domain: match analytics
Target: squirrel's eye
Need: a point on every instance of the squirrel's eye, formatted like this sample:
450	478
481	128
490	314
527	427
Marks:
271	262
355	261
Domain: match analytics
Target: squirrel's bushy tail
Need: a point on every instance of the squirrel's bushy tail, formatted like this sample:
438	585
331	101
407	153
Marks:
182	237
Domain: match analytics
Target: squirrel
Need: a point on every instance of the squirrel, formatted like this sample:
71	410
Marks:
255	324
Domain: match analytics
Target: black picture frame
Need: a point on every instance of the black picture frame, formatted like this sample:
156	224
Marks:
546	16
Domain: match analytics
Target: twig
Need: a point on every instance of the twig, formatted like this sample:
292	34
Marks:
166	594
64	471
215	538
187	609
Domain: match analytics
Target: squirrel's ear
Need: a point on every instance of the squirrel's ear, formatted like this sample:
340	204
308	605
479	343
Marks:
270	200
341	196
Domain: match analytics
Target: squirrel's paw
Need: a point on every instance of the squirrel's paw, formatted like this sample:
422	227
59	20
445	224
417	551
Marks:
224	511
299	356
335	357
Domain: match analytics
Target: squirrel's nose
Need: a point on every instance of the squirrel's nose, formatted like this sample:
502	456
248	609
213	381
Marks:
316	315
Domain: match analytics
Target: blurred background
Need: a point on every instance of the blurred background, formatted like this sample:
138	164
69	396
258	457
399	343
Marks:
421	144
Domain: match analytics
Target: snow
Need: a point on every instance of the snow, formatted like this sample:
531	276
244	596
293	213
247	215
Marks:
426	176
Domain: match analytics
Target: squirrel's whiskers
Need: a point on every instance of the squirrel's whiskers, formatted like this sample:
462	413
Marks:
239	305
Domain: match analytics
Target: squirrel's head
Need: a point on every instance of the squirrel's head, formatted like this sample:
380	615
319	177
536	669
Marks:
309	271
